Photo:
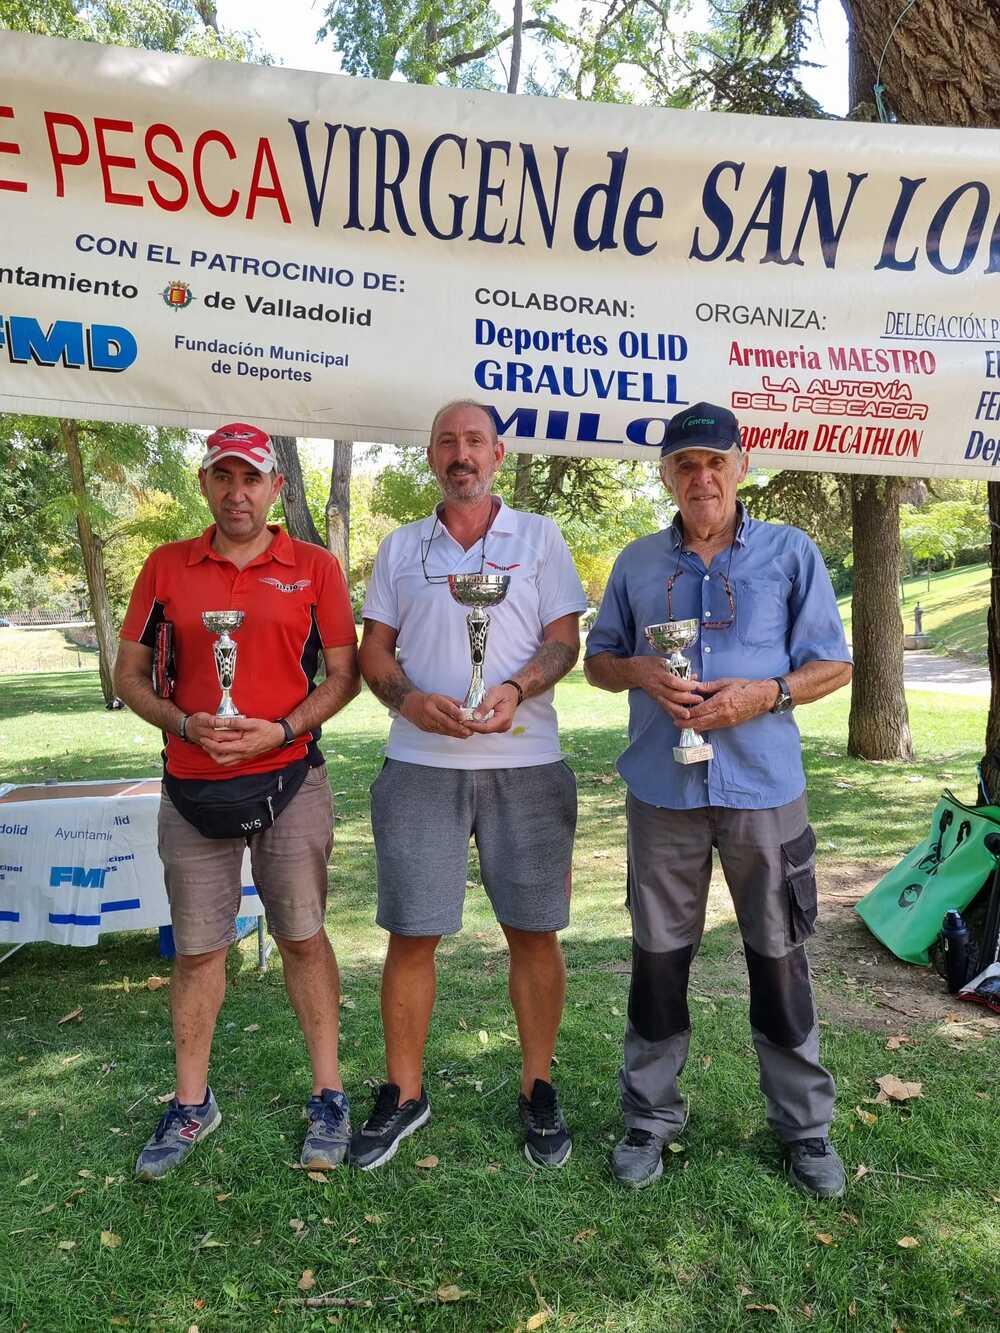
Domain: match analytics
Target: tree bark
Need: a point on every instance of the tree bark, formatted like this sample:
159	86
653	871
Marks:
937	66
93	561
338	506
517	32
293	494
879	726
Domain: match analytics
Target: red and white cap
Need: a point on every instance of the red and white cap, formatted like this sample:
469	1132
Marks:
239	440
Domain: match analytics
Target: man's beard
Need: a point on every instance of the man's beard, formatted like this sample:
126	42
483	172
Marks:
466	488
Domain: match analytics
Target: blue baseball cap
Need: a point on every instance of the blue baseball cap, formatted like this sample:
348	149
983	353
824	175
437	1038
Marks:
703	426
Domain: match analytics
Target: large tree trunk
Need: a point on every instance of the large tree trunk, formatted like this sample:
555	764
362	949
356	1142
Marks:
293	494
93	561
879	726
338	506
937	65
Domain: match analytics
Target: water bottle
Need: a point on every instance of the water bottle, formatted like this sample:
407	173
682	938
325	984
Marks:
955	940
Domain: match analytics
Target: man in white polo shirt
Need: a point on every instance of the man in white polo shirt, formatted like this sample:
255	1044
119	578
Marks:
499	778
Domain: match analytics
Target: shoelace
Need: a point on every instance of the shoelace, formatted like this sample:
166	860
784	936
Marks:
327	1110
542	1111
173	1113
637	1138
814	1147
385	1109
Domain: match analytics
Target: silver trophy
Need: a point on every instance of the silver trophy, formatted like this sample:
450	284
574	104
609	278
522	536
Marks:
477	591
667	640
224	651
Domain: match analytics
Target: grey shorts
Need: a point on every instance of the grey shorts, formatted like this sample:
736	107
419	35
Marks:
523	821
202	875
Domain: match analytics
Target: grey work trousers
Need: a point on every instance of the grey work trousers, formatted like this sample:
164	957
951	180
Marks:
768	860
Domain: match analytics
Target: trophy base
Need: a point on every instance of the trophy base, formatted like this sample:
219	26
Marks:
469	715
692	754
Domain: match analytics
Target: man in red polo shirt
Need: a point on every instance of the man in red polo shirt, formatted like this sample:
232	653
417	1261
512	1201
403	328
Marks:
225	775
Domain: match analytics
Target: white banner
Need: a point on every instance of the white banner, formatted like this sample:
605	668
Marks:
188	242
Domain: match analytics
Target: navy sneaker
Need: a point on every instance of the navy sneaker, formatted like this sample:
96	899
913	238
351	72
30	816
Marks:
329	1134
180	1128
389	1123
546	1136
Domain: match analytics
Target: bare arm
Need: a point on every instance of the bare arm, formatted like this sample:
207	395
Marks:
556	655
388	682
134	684
731	701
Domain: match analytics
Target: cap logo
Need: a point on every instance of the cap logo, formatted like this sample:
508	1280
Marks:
700	421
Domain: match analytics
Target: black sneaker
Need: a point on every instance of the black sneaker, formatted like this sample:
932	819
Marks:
389	1123
547	1141
815	1168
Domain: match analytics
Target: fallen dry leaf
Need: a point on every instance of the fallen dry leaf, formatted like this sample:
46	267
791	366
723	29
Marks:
194	1329
252	1027
895	1041
771	1309
862	1171
28	1179
537	1320
68	1018
317	1176
493	1167
373	1218
984	1096
587	1234
208	1242
427	1163
119	1320
297	1224
221	1198
112	1180
807	1310
894	1089
67	1245
166	1097
852	1308
73	1194
84	1174
865	1116
484	1036
307	1281
198	1303
907	1242
49	1208
744	1290
675	1147
155	983
824	1238
110	1240
71	1059
450	1293
851	1219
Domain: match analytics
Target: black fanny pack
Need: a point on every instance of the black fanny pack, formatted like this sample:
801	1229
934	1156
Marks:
235	807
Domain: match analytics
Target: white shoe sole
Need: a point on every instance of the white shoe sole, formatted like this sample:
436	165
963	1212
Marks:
390	1152
548	1165
641	1184
210	1128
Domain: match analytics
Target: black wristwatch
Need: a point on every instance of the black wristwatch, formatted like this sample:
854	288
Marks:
289	733
784	702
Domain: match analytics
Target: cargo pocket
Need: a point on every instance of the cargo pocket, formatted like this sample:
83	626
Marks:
800	886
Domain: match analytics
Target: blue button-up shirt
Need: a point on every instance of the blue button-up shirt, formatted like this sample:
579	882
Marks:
785	615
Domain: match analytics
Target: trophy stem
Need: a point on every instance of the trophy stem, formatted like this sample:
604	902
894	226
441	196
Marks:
225	651
478	624
691	748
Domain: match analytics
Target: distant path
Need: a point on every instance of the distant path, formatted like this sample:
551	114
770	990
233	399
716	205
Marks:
924	670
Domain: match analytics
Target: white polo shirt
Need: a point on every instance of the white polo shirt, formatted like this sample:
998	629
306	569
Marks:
433	641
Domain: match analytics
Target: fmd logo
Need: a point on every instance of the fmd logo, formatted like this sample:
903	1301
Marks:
78	876
102	347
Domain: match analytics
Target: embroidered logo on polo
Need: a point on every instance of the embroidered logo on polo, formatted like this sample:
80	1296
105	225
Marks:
287	587
504	568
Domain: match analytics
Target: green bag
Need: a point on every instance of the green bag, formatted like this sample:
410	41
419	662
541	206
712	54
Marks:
905	908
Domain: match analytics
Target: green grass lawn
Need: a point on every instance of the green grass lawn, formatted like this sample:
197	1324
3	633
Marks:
721	1243
954	608
24	651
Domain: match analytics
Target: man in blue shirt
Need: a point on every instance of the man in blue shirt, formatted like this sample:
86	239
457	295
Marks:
769	639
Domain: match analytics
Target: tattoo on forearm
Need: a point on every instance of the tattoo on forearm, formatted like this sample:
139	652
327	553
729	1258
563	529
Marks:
392	688
548	665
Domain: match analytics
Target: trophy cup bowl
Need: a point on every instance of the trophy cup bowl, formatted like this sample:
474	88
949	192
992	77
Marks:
477	591
667	641
224	651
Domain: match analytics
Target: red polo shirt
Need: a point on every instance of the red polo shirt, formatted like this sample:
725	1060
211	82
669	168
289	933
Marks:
296	604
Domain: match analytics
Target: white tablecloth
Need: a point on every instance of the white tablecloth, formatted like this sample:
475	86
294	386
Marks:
79	859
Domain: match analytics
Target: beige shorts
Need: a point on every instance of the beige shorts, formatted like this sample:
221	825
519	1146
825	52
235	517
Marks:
289	859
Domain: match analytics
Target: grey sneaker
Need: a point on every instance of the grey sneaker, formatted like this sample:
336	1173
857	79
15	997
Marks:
329	1134
637	1159
180	1128
814	1168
